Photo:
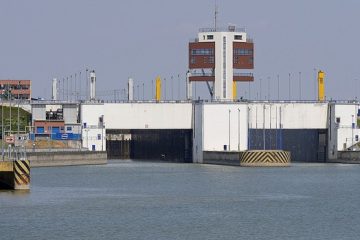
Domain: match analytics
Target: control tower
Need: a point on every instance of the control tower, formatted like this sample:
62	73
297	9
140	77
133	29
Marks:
219	57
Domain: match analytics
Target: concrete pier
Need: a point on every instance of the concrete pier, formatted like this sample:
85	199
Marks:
15	175
66	158
265	158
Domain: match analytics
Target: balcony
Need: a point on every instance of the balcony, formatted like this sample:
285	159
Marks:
201	77
223	29
243	77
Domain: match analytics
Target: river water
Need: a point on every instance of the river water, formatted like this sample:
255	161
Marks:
144	200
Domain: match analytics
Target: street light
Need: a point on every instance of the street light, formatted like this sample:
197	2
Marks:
352	131
300	85
289	85
264	140
229	128
239	129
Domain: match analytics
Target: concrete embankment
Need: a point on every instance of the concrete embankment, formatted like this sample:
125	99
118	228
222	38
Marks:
351	157
252	158
66	158
222	158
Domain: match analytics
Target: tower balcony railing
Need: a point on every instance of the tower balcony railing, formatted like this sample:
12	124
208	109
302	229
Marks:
243	74
202	74
223	29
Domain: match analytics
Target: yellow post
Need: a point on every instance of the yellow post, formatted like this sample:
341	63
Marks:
234	90
158	89
321	86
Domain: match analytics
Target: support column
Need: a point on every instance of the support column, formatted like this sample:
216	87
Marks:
188	86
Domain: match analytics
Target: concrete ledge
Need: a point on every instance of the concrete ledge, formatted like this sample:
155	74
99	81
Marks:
221	158
265	158
6	166
52	159
350	157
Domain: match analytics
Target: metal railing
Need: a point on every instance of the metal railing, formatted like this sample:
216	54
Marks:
202	75
223	29
244	74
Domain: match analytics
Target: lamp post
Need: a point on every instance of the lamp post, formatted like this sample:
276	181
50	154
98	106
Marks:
2	126
289	85
9	98
239	129
229	128
164	88
264	140
278	87
18	111
352	131
300	85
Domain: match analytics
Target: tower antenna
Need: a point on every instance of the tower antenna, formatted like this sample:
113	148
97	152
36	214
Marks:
215	15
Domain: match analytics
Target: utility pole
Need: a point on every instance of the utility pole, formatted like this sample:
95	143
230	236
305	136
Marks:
300	85
2	126
289	85
178	86
165	88
18	111
229	128
278	87
268	78
239	129
352	131
9	97
315	84
172	88
264	139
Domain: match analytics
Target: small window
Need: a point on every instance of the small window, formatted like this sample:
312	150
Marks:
99	136
211	59
210	37
192	60
238	37
338	120
68	128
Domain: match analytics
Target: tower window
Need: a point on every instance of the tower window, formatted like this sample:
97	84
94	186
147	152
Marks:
238	37
210	37
202	51
243	52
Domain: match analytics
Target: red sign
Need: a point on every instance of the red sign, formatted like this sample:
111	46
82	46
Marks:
10	139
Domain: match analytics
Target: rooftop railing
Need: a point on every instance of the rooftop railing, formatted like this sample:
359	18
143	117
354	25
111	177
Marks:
244	74
223	29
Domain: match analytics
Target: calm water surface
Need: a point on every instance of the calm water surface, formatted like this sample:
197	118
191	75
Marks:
142	200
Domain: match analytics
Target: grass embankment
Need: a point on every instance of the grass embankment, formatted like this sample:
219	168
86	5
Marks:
24	119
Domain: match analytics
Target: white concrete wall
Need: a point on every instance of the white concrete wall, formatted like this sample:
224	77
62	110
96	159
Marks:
90	113
224	124
293	115
147	115
70	112
132	116
346	134
38	112
198	135
94	136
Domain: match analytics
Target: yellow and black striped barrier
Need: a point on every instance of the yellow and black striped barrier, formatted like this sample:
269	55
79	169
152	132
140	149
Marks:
22	175
265	158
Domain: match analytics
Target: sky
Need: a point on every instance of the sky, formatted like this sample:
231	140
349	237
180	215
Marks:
142	39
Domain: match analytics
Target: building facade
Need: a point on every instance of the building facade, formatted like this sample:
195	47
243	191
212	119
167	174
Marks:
220	56
16	89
